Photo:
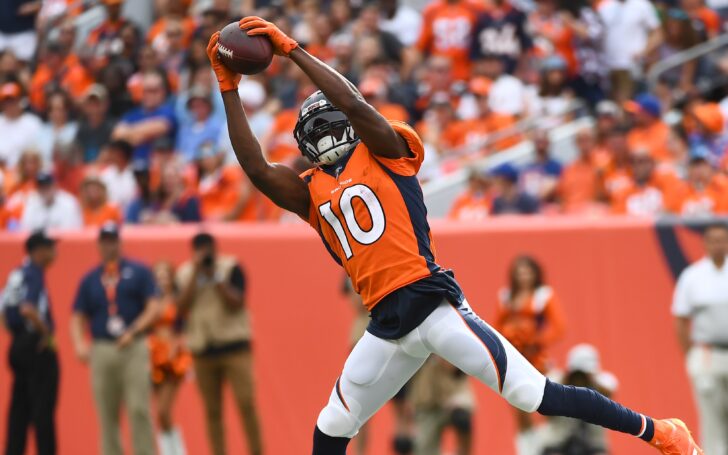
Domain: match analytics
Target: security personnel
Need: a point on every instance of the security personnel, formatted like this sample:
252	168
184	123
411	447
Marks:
33	360
700	307
117	300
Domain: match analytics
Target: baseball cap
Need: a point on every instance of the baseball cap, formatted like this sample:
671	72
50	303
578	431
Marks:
44	179
649	104
10	90
198	93
109	231
583	357
506	171
96	91
38	239
480	86
607	107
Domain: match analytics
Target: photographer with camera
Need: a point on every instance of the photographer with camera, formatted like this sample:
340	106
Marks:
218	334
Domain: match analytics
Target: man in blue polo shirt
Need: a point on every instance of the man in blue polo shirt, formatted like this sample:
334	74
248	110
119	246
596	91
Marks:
117	301
152	120
26	308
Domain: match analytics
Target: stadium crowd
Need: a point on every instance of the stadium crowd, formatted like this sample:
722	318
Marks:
109	113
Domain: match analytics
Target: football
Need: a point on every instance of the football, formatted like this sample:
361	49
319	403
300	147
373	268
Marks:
242	53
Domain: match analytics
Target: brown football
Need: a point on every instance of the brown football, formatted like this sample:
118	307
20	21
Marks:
242	53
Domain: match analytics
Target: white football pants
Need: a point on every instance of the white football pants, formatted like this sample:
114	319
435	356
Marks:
376	368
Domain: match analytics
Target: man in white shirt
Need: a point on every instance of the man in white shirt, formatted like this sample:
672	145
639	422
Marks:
18	129
49	207
402	21
700	307
632	32
118	176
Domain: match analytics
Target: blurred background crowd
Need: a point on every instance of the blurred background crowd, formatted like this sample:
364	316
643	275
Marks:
109	110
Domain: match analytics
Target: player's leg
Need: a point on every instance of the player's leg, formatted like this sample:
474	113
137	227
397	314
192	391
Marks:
462	338
375	370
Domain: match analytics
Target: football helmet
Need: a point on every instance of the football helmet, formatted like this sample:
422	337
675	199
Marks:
323	133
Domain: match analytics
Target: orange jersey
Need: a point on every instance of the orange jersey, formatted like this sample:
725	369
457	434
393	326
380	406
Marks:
446	31
654	139
104	214
533	326
370	214
649	199
73	78
471	206
220	194
579	186
707	201
281	145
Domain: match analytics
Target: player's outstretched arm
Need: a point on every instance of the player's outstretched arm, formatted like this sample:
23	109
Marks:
373	129
280	183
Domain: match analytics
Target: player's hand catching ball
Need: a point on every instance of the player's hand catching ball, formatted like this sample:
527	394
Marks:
227	80
282	43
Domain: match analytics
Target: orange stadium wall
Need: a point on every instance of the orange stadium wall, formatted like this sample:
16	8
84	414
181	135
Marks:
615	278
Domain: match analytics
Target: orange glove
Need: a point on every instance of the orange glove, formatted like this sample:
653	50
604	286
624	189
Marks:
282	44
227	80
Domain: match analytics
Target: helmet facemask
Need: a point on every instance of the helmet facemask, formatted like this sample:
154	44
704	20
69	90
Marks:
325	136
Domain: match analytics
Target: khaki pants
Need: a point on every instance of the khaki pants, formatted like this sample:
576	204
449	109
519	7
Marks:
622	85
237	368
708	370
123	375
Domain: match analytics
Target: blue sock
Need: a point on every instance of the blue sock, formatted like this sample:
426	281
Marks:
593	407
324	444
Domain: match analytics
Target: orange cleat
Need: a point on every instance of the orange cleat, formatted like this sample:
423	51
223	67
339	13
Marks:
672	437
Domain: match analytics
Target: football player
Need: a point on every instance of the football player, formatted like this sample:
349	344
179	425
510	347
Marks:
365	202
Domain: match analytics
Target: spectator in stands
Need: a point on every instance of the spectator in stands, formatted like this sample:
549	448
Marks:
50	207
552	33
57	134
21	183
679	36
253	97
368	25
175	54
117	301
96	208
95	125
212	294
60	69
475	203
437	77
608	117
530	317
153	119
452	37
707	22
118	174
632	34
198	128
170	360
26	309
578	188
566	436
705	127
401	20
443	399
650	133
103	40
705	192
554	98
18	128
171	203
17	28
616	172
509	199
225	192
540	179
648	190
508	93
439	132
375	91
589	83
700	308
500	32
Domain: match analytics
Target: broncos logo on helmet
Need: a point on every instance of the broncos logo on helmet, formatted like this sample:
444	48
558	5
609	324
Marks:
323	132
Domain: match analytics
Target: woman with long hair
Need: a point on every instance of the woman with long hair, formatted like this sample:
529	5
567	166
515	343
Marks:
170	360
529	315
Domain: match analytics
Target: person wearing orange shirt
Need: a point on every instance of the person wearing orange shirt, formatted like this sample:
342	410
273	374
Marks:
224	191
21	183
279	142
171	360
101	39
578	188
648	191
705	194
374	90
614	168
95	207
650	134
176	10
61	69
709	19
447	29
475	203
529	315
552	34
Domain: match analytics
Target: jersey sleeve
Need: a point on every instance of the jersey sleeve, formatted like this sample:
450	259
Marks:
406	166
312	218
